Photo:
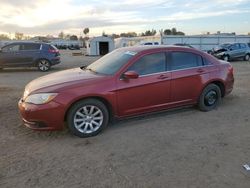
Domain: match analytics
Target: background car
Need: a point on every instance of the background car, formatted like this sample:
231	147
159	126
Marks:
184	44
126	82
29	54
232	51
149	43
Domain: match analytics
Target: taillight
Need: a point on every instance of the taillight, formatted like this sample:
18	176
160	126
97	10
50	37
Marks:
53	51
231	69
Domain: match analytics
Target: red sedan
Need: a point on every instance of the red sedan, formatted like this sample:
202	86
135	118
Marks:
126	82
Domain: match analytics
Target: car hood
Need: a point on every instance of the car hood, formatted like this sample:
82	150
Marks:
220	49
61	78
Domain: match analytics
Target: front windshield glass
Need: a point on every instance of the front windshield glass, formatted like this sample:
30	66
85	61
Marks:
224	45
111	63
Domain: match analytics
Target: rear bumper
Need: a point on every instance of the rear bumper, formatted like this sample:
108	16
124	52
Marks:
46	117
55	61
229	86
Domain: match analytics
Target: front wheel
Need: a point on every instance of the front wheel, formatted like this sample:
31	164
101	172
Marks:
247	57
226	58
43	65
87	118
210	98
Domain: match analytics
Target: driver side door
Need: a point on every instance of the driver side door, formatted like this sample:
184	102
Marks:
150	91
9	55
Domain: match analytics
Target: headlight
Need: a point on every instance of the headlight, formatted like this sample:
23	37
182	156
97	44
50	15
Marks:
40	98
221	53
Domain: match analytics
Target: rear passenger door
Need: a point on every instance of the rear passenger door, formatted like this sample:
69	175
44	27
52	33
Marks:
188	75
29	52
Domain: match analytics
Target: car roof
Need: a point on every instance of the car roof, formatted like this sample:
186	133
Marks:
26	42
139	49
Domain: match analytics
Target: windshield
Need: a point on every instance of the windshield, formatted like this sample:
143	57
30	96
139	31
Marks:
224	45
111	63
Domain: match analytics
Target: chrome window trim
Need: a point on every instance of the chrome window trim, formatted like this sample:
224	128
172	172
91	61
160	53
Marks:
169	71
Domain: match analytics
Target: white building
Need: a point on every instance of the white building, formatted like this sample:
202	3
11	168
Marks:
100	45
204	42
133	41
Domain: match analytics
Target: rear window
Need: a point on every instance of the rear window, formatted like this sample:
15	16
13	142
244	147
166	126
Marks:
30	46
52	47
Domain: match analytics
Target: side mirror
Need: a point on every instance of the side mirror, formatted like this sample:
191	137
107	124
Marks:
130	75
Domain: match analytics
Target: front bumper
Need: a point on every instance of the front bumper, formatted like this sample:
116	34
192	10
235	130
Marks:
218	56
45	117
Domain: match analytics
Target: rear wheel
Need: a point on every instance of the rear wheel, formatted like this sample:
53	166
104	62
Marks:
226	58
87	118
247	57
210	98
43	65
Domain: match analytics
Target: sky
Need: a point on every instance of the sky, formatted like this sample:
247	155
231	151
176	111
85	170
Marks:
43	17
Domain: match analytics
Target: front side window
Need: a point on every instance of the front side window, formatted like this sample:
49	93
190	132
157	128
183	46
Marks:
150	64
11	48
243	45
184	60
235	47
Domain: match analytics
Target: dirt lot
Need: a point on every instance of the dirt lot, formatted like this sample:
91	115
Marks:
181	148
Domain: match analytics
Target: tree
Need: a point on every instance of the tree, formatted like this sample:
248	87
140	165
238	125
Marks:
115	36
86	31
167	32
180	33
61	35
73	37
67	36
4	37
149	33
128	34
173	31
104	34
18	36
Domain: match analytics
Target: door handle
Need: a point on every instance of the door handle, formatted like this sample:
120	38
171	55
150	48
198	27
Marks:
163	76
200	70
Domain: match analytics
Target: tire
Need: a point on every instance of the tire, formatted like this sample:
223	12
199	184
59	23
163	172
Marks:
210	98
247	57
225	57
87	118
43	65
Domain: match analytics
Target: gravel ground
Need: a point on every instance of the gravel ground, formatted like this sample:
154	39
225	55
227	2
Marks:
180	148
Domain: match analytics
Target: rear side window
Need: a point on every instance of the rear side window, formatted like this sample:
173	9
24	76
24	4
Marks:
149	64
184	60
30	46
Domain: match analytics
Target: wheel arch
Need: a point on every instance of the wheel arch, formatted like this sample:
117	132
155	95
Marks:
219	83
42	58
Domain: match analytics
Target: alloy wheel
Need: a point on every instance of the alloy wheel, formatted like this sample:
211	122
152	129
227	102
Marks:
88	119
44	65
